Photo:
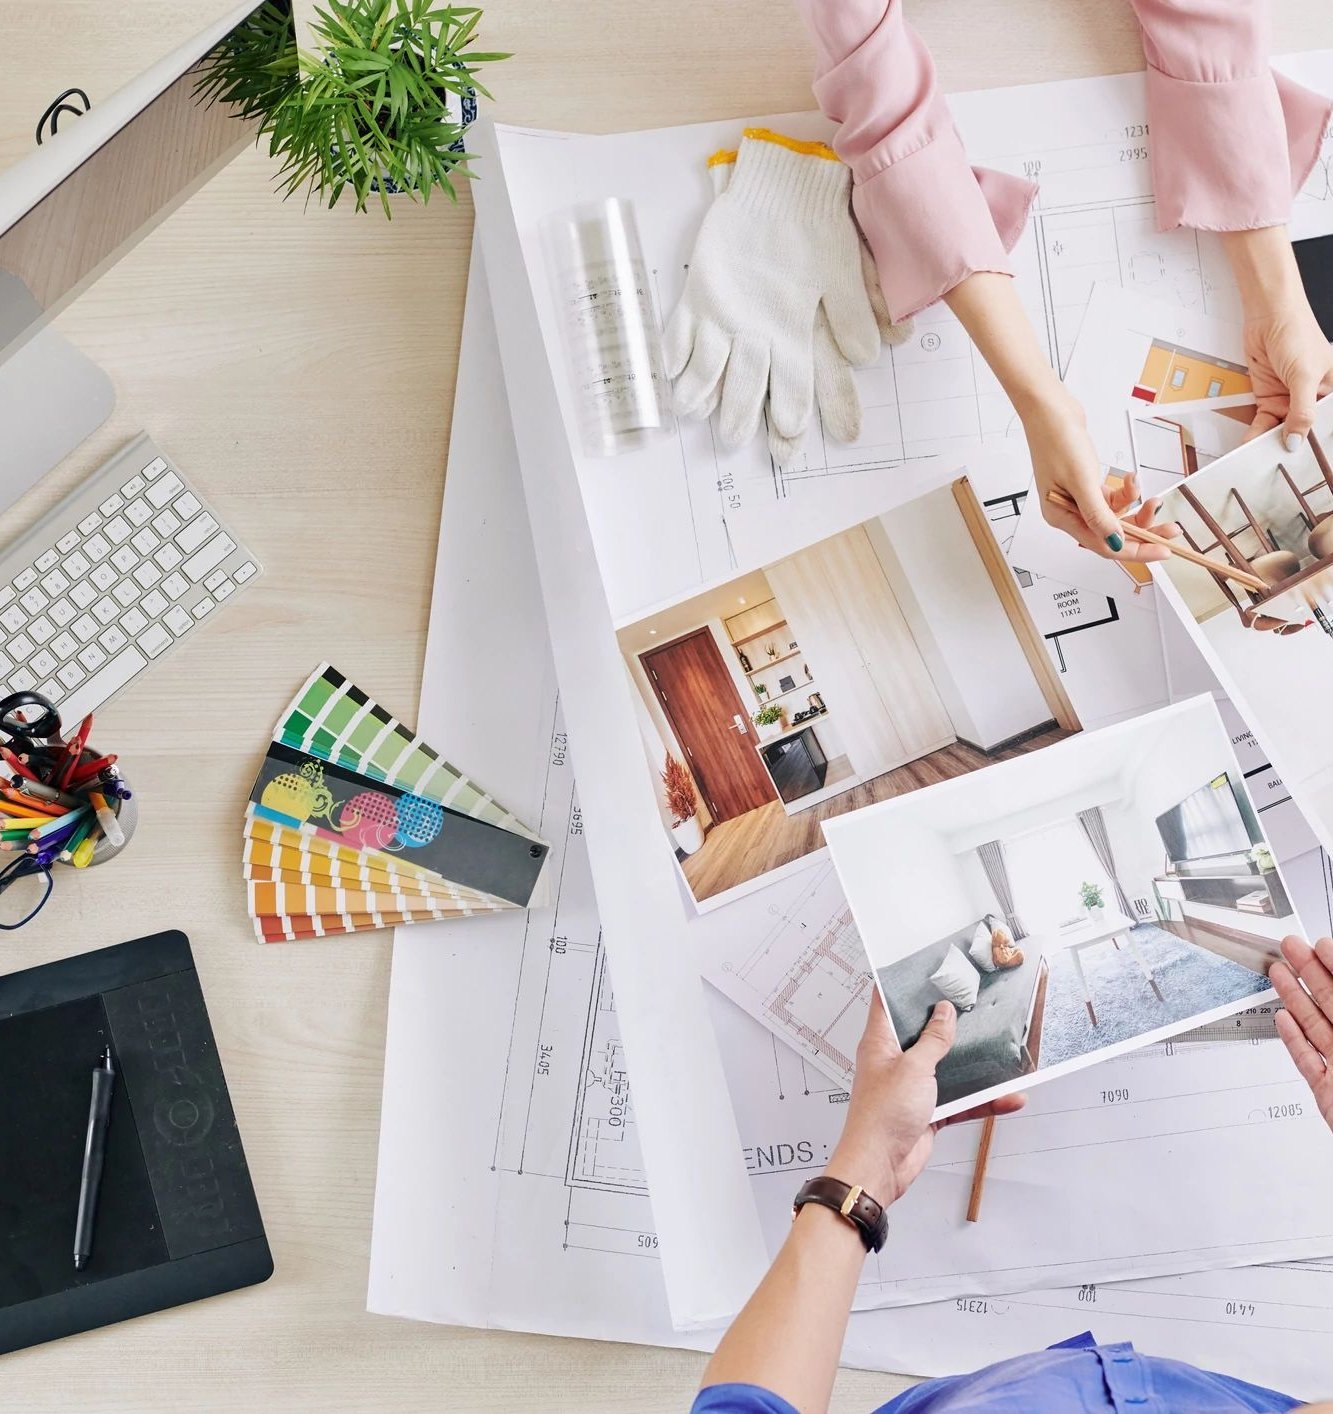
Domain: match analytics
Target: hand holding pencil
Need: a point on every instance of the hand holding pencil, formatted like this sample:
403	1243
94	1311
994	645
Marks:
1144	539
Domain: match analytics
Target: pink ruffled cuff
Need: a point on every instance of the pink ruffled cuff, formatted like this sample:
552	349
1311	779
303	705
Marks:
1230	156
931	220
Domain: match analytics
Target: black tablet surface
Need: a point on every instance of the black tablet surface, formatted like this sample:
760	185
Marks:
1315	259
177	1218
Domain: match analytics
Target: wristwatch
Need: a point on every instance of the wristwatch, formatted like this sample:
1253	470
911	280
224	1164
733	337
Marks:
851	1202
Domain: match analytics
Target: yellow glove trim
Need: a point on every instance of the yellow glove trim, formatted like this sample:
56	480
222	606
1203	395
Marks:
792	144
722	158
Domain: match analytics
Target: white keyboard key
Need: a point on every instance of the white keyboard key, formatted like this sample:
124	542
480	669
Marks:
105	610
71	675
214	579
111	505
134	621
21	680
21	647
83	594
76	566
85	628
210	557
246	571
5	665
203	607
7	596
13	619
147	575
145	542
45	561
63	646
126	592
113	640
34	601
25	580
118	530
89	523
103	577
154	640
44	662
187	506
55	583
178	620
125	559
42	629
132	487
164	489
138	513
50	689
61	612
224	590
92	657
100	685
194	534
153	604
174	585
167	524
168	557
155	468
97	548
67	542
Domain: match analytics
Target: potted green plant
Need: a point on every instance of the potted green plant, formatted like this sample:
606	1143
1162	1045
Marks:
1261	857
769	715
380	106
1094	900
683	802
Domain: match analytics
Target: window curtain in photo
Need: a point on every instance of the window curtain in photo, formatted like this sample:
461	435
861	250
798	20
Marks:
991	855
1094	826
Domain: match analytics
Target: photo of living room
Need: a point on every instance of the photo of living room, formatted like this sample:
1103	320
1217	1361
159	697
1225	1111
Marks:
1264	616
1110	891
887	657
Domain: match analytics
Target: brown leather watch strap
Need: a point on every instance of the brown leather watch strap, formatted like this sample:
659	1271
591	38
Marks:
849	1201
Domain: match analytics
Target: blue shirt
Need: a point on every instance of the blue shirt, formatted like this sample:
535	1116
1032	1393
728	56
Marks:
1077	1376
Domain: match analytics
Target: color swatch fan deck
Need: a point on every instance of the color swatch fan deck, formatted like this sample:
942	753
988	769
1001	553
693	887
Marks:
355	823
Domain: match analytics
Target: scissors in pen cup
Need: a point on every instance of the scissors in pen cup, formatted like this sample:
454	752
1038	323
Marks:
29	717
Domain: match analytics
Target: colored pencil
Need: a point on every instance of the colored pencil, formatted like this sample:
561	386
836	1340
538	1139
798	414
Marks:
89	769
30	805
17	763
60	825
74	751
81	832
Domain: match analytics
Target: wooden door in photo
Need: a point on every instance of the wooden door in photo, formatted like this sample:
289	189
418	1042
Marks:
870	671
700	700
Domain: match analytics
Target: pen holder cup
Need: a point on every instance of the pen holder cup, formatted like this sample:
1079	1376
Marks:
126	813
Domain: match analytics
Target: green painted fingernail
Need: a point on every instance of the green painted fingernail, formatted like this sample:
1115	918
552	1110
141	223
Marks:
1116	542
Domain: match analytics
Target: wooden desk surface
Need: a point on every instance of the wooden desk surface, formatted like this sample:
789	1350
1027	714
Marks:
299	364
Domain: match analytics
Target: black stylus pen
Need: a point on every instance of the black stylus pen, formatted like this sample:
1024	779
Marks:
94	1155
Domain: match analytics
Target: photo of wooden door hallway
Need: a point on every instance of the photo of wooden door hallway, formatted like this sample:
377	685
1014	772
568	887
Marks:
890	656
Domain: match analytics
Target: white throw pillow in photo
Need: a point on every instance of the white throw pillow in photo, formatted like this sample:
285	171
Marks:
957	980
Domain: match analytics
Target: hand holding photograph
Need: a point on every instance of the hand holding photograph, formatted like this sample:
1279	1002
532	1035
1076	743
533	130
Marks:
1112	890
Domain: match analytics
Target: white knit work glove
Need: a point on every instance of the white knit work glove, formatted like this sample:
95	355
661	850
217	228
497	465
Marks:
835	388
778	247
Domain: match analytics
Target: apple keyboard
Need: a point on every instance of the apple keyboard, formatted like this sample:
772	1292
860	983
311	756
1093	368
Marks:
114	577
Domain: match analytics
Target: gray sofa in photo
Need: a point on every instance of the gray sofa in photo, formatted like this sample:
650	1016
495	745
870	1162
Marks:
998	1040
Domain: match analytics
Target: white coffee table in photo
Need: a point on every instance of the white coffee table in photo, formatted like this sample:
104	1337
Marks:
1112	927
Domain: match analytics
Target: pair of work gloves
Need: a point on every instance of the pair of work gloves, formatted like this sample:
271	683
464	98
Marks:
781	300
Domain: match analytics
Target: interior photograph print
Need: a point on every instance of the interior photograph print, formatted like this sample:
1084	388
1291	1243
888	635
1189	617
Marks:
885	658
1112	890
1264	616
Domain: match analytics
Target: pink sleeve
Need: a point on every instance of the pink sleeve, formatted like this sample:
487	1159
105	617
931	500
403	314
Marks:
930	219
1232	142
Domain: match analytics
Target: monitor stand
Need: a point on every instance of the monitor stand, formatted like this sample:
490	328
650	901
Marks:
51	396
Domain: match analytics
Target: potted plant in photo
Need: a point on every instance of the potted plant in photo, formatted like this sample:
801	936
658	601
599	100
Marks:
380	106
1261	858
683	802
1094	900
770	715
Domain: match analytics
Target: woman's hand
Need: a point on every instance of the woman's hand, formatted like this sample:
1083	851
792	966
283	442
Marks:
1306	1027
1291	363
888	1136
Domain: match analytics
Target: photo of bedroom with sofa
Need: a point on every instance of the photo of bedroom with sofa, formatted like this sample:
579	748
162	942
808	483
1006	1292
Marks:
1114	889
887	657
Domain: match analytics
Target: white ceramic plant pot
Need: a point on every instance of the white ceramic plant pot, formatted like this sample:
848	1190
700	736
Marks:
688	835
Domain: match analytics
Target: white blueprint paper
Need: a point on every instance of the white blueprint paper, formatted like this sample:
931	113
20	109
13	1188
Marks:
513	1032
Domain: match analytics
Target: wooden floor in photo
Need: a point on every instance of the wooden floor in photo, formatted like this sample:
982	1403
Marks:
760	840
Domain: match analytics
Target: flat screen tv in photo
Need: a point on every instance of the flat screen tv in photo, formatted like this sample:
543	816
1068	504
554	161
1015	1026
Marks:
1105	893
1263	617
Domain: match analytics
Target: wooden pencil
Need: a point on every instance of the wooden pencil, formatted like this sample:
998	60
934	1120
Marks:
1184	552
979	1168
